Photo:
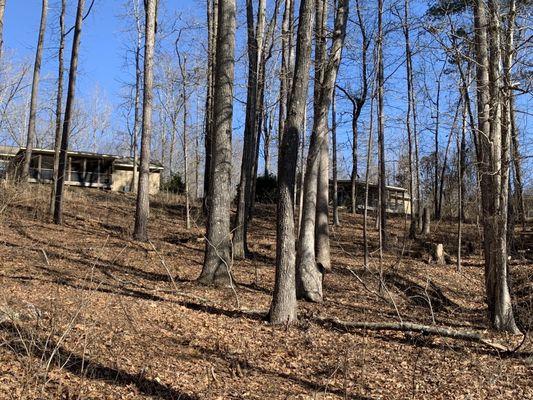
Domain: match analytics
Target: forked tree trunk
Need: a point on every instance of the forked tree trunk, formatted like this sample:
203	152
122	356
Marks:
284	307
217	261
59	102
30	140
142	211
314	237
71	91
493	165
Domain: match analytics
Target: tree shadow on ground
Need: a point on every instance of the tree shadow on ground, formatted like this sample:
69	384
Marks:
46	349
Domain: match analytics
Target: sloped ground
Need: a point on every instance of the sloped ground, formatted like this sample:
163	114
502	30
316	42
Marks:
91	314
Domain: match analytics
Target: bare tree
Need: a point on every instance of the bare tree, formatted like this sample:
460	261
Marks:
67	121
335	199
142	210
35	92
185	95
212	28
217	261
314	231
137	97
381	132
284	307
256	33
59	101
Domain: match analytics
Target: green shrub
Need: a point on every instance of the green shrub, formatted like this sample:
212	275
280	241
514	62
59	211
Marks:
174	185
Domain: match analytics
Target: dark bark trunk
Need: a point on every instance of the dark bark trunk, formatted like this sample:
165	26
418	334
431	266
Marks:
336	221
71	91
59	102
381	133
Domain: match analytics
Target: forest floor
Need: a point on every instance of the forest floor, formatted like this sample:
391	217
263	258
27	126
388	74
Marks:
88	313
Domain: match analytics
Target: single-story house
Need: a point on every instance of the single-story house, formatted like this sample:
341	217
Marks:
84	169
398	199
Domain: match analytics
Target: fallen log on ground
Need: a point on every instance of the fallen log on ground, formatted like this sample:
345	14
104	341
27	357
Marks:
469	336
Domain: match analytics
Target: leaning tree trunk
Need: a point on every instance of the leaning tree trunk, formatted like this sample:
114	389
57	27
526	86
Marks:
59	102
142	210
71	91
217	261
310	270
493	173
35	93
284	307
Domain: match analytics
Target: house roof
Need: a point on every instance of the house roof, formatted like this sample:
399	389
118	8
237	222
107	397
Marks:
9	151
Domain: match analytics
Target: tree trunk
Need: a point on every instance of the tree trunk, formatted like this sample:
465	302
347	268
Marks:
35	93
137	101
59	103
2	9
212	20
408	121
254	30
142	211
71	91
184	77
336	221
285	71
381	132
494	151
426	221
217	261
314	238
284	307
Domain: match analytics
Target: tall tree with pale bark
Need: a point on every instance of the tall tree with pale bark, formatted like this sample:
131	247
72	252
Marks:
313	244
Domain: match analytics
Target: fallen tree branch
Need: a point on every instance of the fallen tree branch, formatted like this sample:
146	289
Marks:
412	327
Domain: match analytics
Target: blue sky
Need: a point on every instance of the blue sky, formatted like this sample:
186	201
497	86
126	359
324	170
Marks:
102	46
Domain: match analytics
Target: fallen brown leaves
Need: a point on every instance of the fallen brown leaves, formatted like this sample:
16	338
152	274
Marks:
91	314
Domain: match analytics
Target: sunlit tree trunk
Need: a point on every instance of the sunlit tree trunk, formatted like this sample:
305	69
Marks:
217	261
284	307
314	237
336	221
2	10
142	211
